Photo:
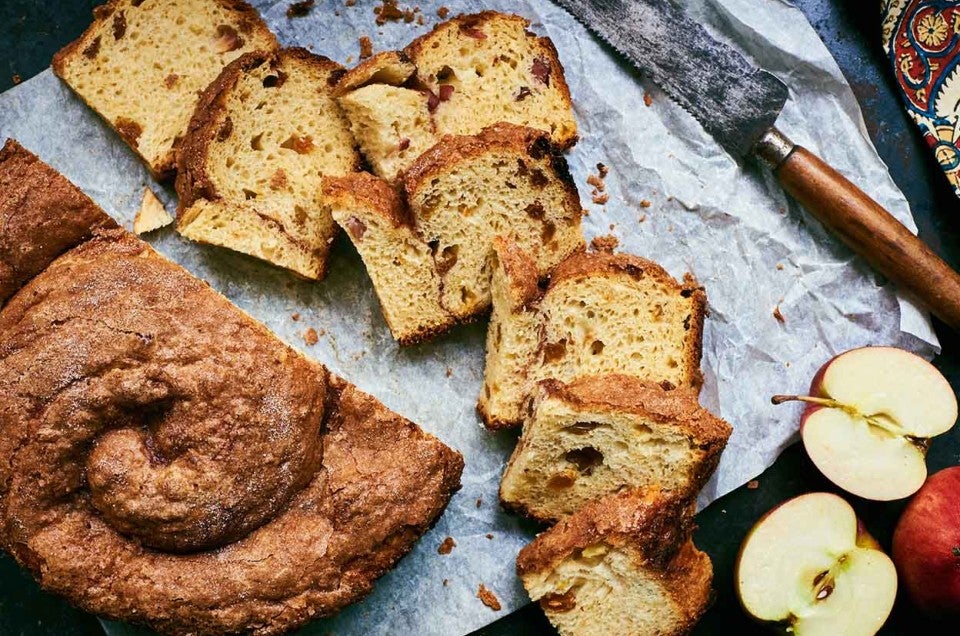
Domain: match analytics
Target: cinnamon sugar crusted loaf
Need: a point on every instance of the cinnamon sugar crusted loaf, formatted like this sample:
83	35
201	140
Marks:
602	313
623	564
602	434
460	194
249	169
466	74
164	459
142	64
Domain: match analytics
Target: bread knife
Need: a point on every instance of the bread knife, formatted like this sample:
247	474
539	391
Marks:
738	104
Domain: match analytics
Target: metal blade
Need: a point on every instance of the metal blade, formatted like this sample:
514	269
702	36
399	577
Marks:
733	100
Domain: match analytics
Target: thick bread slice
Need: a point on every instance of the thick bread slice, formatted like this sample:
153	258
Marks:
512	336
467	74
623	564
391	124
507	180
263	135
398	262
618	313
602	313
603	434
142	64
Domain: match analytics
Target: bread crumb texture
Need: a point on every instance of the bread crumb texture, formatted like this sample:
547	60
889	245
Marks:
151	215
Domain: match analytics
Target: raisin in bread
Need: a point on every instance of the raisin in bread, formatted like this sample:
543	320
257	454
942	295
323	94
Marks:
602	434
399	263
602	313
623	564
249	170
466	74
142	64
514	327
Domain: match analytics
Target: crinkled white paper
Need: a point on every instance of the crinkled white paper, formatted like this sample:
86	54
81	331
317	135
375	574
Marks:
730	225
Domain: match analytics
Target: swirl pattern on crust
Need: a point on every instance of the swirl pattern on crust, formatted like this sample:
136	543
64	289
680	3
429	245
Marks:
165	459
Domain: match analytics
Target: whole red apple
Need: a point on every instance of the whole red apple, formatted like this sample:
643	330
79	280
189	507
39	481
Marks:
926	545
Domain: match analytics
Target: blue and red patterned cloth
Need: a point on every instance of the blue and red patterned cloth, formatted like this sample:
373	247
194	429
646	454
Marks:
922	39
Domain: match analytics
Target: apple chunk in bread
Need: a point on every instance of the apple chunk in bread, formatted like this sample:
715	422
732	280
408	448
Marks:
810	568
870	414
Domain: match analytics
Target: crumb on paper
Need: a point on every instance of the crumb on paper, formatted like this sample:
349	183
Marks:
388	12
449	371
602	170
420	20
753	484
645	203
443	12
647	99
778	314
780	267
151	215
366	47
311	337
295	316
446	582
596	182
300	9
601	198
350	3
490	535
488	598
16	78
606	243
447	546
479	501
643	218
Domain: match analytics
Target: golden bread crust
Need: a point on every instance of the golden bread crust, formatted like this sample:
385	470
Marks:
388	67
376	195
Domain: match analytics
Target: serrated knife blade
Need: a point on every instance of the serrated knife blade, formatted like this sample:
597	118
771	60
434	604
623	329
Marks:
738	104
731	98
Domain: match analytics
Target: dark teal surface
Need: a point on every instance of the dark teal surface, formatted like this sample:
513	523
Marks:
31	31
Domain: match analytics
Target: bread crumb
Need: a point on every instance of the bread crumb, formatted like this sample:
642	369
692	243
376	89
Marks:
388	12
601	198
479	502
647	99
420	20
490	535
366	47
753	484
350	3
606	243
644	203
778	314
300	9
151	215
16	78
602	169
311	337
449	372
643	217
596	182
488	598
780	267
443	12
295	316
446	582
447	546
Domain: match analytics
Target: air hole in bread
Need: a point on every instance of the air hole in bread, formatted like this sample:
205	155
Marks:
582	428
548	231
271	81
446	74
249	194
585	459
596	348
256	142
467	296
447	259
553	351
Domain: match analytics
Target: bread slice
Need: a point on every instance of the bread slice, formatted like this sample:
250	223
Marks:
602	313
263	135
512	336
142	64
467	74
624	564
602	434
618	313
400	264
507	180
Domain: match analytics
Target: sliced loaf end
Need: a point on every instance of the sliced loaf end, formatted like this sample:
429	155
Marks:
140	65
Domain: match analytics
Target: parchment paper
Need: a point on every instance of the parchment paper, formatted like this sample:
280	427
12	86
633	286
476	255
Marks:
730	225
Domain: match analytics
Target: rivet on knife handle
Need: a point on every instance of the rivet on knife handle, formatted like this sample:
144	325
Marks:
864	225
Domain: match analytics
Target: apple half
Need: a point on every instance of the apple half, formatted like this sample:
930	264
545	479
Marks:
809	568
870	415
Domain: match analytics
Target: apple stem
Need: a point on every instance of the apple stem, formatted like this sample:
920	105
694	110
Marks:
780	399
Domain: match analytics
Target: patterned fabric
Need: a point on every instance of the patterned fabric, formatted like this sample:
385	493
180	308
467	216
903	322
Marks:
922	39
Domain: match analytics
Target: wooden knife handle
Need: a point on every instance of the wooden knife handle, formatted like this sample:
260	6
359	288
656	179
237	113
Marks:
872	232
